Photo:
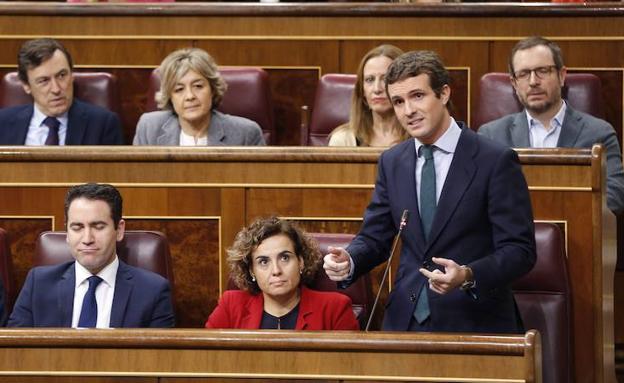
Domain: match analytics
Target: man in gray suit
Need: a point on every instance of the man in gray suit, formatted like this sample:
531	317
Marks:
537	74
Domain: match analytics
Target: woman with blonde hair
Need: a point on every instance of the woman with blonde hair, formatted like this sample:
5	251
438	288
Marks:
372	121
191	88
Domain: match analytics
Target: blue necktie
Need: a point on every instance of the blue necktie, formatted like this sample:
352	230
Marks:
427	212
88	314
53	133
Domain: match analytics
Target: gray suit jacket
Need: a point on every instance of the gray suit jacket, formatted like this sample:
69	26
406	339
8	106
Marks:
163	128
579	130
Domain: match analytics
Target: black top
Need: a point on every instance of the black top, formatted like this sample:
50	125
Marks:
285	322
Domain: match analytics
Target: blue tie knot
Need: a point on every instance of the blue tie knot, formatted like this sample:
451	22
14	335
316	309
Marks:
94	281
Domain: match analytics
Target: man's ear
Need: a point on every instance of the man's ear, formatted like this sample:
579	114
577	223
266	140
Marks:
445	94
121	229
26	88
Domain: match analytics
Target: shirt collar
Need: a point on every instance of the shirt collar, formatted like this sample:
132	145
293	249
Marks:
108	273
557	121
447	142
38	117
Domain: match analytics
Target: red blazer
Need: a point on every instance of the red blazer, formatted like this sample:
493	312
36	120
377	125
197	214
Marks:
317	311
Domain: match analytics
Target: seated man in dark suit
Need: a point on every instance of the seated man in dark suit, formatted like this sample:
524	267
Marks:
97	290
56	118
537	74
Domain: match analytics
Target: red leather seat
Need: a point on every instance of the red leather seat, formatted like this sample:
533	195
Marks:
332	105
145	249
248	95
360	291
543	298
498	98
6	275
97	88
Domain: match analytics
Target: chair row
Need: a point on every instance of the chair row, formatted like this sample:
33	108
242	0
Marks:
249	96
543	295
497	98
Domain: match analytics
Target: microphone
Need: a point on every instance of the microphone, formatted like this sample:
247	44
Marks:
402	224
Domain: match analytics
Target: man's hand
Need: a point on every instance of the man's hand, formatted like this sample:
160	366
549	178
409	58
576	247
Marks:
337	264
443	282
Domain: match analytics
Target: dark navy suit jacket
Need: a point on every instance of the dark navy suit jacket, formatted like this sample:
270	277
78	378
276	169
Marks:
483	220
87	125
141	299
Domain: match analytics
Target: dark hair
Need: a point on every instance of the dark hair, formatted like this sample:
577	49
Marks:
97	192
250	237
535	41
414	63
34	52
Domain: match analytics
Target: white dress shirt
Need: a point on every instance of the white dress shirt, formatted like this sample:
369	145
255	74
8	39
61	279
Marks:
539	136
103	293
442	157
38	132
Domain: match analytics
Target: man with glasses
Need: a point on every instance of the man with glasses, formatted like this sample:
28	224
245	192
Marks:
537	74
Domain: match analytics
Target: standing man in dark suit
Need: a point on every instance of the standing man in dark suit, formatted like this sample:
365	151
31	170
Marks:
537	74
55	118
97	289
471	228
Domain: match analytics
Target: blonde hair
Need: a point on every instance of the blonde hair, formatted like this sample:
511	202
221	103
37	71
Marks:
178	63
361	117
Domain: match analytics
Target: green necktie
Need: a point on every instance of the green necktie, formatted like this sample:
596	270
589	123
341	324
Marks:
427	212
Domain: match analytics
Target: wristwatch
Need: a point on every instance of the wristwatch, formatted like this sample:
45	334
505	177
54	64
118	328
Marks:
469	284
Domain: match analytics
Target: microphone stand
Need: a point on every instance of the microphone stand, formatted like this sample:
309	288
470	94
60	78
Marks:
404	218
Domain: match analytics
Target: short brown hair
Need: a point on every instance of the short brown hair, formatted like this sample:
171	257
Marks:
414	63
178	63
34	52
535	41
249	238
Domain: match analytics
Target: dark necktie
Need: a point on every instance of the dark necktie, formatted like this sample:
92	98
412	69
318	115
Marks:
88	314
427	212
53	133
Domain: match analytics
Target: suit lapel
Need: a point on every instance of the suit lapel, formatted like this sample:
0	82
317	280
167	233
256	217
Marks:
571	128
123	288
520	131
216	132
408	194
77	122
458	179
170	132
65	296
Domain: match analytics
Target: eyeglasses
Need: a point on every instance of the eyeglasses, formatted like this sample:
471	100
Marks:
540	72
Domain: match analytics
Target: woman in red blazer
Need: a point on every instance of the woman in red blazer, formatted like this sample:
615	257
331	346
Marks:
271	261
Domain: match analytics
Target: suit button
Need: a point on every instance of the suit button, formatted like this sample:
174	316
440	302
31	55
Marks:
413	297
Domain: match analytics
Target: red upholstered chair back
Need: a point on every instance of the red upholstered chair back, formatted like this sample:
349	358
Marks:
6	273
97	88
543	298
332	105
360	291
148	250
498	99
248	95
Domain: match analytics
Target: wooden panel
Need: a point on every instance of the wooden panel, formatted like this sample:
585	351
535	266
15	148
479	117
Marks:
194	245
271	355
326	188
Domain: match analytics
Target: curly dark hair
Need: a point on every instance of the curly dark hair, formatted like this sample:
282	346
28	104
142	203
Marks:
249	238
